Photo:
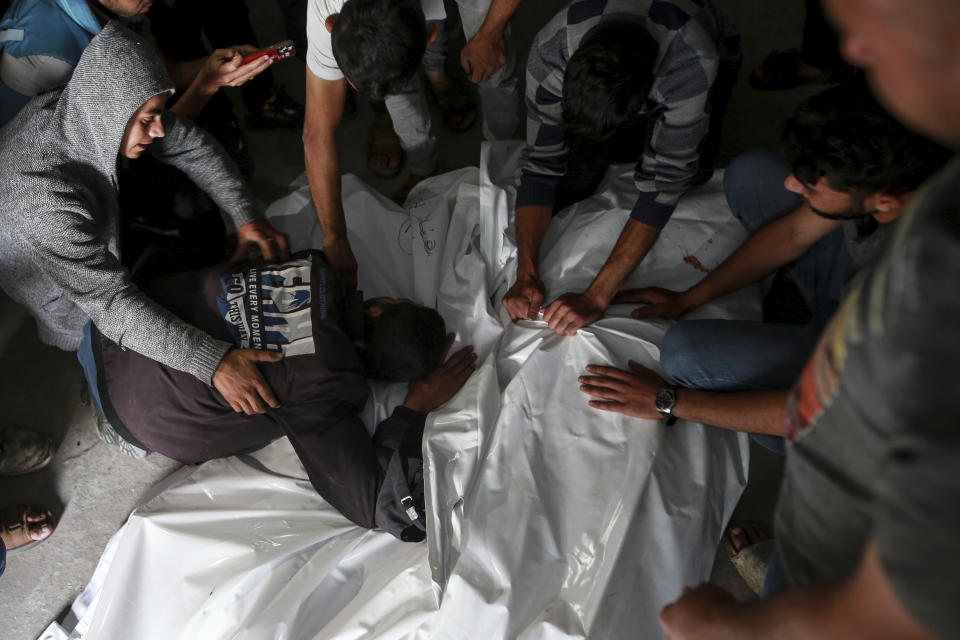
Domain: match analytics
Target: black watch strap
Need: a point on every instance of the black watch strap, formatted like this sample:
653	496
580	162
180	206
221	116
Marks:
665	401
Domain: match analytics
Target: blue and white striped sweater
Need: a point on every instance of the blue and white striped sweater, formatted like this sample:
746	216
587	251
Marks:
687	33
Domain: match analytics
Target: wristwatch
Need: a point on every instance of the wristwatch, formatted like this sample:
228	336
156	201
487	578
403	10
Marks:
665	401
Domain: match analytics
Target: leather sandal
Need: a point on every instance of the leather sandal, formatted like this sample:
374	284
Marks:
18	522
23	451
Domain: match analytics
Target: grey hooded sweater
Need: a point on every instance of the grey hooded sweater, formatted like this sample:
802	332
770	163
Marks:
59	210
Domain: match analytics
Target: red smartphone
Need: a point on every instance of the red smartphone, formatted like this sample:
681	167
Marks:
278	51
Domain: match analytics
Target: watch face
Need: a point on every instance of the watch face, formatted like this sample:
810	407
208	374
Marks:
665	400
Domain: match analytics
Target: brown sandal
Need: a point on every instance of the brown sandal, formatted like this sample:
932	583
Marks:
17	522
23	451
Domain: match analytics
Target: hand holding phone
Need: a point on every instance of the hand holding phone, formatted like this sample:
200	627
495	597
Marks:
279	51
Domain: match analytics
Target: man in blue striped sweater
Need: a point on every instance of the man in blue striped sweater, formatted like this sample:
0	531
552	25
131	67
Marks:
611	80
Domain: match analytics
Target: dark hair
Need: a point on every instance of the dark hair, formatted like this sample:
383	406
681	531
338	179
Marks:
607	81
404	343
379	44
843	134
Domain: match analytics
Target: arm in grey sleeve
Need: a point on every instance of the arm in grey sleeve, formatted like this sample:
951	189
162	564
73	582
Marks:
682	90
69	252
545	154
195	152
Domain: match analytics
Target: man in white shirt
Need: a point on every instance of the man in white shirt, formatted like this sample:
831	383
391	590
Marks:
336	31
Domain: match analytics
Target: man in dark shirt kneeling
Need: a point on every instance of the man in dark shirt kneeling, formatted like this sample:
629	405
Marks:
332	341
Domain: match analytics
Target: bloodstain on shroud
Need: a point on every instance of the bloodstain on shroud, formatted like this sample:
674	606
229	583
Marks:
694	262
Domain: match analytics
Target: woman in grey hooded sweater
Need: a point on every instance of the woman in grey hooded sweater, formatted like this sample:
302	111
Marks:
59	214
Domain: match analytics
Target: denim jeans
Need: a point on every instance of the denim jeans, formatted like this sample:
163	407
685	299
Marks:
738	355
89	366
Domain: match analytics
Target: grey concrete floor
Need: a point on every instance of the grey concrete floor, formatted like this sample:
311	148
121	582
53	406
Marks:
93	487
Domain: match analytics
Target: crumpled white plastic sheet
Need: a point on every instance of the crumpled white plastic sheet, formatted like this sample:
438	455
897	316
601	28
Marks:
547	519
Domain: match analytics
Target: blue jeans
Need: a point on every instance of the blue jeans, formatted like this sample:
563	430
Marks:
738	355
89	365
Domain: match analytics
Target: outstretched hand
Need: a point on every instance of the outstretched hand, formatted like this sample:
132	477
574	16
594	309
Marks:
239	381
661	303
444	382
629	392
273	244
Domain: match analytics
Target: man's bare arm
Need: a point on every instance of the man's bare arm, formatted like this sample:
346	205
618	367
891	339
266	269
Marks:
862	606
524	298
634	393
571	311
774	245
324	106
750	411
632	247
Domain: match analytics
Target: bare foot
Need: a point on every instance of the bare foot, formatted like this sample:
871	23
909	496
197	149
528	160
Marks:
748	535
23	524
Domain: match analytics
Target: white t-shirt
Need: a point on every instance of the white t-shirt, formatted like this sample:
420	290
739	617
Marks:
320	58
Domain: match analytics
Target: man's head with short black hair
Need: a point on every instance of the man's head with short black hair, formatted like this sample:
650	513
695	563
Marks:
844	136
379	44
607	81
403	341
